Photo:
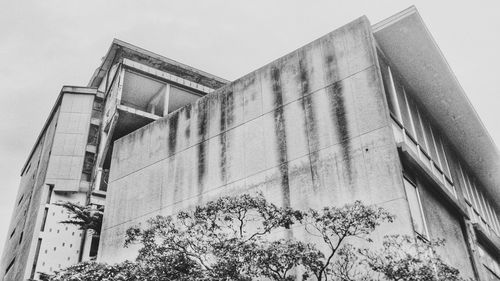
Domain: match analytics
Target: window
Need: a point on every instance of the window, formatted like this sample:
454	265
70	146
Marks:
26	170
93	134
94	246
88	165
35	261
49	194
21	237
20	200
44	219
12	233
390	95
415	205
420	131
10	265
481	209
490	262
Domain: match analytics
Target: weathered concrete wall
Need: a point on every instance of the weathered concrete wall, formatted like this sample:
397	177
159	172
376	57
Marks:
65	167
308	130
26	214
444	222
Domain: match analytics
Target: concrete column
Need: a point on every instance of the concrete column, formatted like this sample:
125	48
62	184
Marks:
166	100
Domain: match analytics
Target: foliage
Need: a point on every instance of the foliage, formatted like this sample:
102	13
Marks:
403	257
219	236
85	217
92	271
334	225
241	238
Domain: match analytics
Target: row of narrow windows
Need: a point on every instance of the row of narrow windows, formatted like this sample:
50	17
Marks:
491	263
480	209
406	111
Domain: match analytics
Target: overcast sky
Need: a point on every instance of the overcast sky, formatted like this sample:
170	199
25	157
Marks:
47	44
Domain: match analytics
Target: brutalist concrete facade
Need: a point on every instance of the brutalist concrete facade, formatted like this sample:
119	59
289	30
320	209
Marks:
367	112
52	172
71	157
343	118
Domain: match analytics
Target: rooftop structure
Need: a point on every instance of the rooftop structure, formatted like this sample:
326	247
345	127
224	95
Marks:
71	156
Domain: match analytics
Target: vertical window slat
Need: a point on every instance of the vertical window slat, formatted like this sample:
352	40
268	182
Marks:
415	205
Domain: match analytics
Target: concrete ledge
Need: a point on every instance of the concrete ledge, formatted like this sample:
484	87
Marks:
491	241
409	157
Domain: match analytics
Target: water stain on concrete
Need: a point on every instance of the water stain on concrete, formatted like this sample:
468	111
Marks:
339	115
338	110
173	123
226	117
280	131
311	129
202	133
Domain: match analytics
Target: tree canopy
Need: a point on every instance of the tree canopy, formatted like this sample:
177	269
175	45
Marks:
84	216
246	237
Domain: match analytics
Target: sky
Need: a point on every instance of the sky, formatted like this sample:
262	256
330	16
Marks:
47	44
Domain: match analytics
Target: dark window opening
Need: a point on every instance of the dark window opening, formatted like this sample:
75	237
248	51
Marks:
49	195
35	261
94	246
44	219
12	233
20	200
21	237
93	134
88	165
26	170
97	107
104	180
10	265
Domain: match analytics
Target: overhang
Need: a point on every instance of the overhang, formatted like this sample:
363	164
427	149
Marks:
410	48
120	49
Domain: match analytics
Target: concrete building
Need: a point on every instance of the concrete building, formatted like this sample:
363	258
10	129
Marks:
70	160
367	112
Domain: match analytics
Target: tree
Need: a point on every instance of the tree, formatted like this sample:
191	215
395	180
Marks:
93	271
85	217
241	238
222	237
403	257
335	225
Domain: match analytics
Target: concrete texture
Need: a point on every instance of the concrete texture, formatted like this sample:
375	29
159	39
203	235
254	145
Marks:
70	140
308	130
444	222
57	160
26	218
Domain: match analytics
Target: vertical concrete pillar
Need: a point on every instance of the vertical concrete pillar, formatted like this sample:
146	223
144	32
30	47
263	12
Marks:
166	100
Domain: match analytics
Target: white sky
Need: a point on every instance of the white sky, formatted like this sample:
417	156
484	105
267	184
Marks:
47	44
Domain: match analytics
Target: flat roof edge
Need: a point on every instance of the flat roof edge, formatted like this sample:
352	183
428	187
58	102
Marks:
168	60
64	90
116	44
484	164
394	18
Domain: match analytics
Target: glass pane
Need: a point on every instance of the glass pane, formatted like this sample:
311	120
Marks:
473	193
384	69
442	155
418	127
465	188
430	141
405	115
415	207
477	196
